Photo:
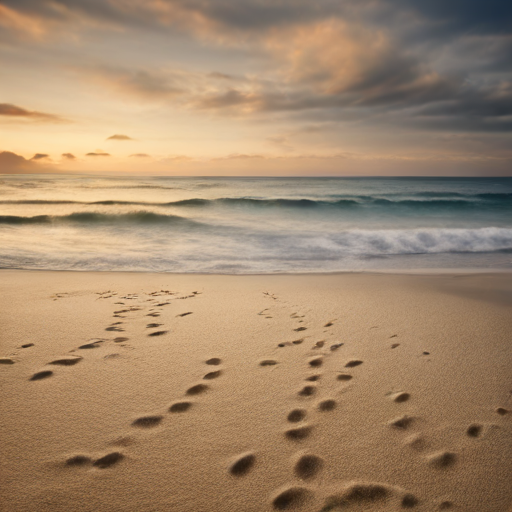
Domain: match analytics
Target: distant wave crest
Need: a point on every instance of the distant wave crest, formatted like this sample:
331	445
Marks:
422	200
95	217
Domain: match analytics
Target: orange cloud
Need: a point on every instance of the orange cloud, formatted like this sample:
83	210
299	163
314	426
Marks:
9	110
16	21
119	137
11	163
97	153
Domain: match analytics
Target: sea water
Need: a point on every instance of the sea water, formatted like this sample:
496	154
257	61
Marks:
254	225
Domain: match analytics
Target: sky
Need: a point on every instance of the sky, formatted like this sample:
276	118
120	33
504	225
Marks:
256	87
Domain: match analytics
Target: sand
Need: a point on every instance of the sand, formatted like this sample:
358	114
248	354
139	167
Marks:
191	393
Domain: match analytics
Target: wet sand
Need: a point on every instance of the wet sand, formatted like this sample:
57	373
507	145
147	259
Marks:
191	393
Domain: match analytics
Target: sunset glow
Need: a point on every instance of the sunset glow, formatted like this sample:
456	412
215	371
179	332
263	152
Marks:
181	87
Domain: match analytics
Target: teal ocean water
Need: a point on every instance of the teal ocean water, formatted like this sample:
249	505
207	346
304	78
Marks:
254	225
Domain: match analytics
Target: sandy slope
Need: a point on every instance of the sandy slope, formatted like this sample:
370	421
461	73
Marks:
255	393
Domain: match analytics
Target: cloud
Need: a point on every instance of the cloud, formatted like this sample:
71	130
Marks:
97	153
119	137
140	83
9	110
140	155
40	156
68	156
280	141
11	163
418	64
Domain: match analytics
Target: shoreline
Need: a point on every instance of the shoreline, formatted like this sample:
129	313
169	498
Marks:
419	272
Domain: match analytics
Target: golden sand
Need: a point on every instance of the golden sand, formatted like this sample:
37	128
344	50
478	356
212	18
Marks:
191	393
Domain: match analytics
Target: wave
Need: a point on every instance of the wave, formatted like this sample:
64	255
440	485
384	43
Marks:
423	241
141	217
425	200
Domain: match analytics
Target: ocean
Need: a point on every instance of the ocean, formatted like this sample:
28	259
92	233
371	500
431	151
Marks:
254	225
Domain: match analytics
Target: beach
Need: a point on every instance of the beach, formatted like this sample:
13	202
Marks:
311	392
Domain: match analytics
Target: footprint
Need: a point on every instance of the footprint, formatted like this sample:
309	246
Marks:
327	405
409	501
6	360
67	361
403	422
214	361
308	466
158	333
212	375
395	345
268	362
41	375
425	353
300	329
243	464
90	345
78	460
307	391
120	339
123	441
446	505
328	324
180	407
147	421
197	389
416	442
108	460
474	430
185	314
353	363
442	459
313	378
362	493
502	411
154	315
336	346
112	356
344	377
401	397
296	415
316	362
291	498
319	344
153	326
298	342
27	345
299	433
